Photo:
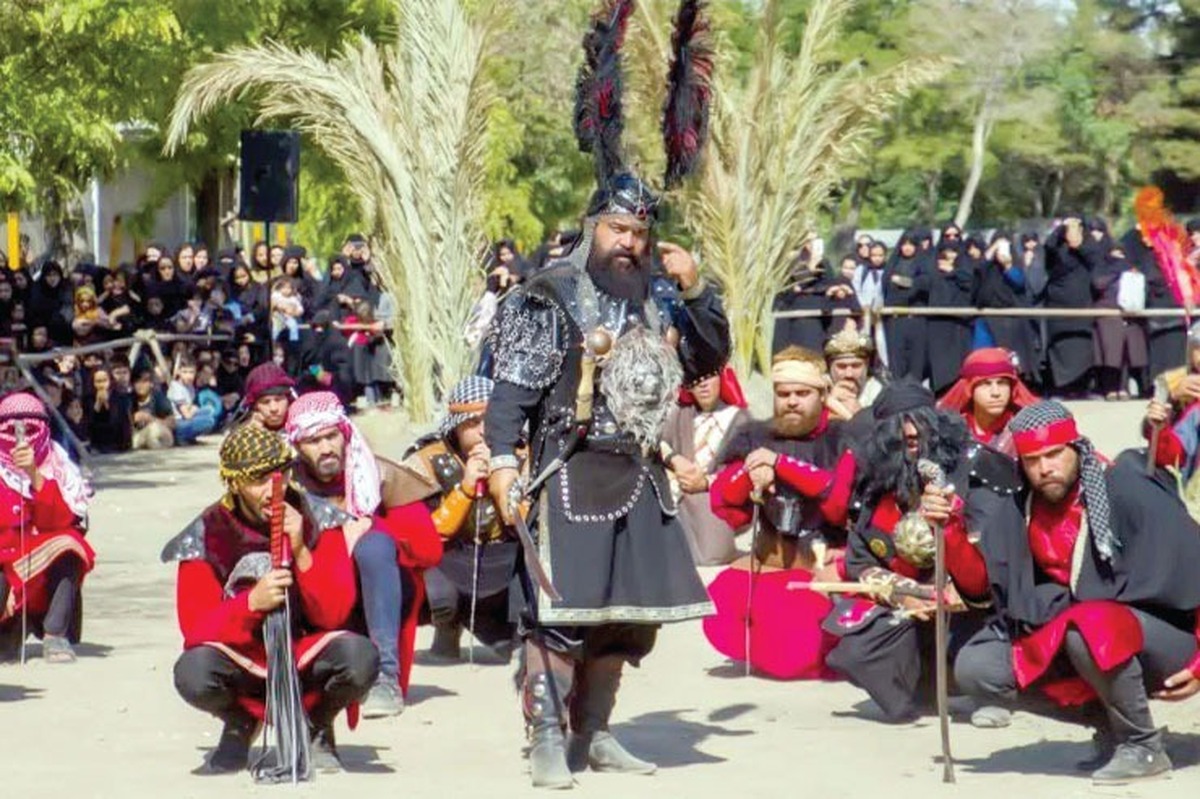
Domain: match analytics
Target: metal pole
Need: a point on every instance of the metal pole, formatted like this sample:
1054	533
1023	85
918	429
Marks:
1013	313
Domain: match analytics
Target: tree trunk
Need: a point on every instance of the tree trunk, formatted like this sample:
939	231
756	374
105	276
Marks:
979	137
1108	198
208	212
928	205
57	224
1056	191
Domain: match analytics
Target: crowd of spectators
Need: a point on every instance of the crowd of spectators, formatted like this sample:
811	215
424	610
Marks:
326	323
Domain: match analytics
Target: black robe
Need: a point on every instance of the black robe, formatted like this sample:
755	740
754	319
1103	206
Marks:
1069	347
810	333
606	520
950	336
996	287
893	658
907	344
1153	569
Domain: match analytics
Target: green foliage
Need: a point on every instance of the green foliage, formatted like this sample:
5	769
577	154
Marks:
86	86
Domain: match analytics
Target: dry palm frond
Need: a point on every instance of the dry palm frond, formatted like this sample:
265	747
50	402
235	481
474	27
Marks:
781	140
406	124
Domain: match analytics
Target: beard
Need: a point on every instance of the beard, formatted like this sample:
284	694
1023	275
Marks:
792	425
620	274
327	468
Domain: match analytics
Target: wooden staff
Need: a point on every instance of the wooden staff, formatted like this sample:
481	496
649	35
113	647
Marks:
933	475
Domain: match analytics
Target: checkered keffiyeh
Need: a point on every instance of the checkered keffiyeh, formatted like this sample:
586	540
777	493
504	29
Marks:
251	452
1091	472
467	401
312	414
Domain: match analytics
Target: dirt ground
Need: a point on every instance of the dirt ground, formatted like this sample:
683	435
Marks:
111	725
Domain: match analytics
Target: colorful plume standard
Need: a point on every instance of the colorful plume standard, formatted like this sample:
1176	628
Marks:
689	92
1167	238
285	707
599	118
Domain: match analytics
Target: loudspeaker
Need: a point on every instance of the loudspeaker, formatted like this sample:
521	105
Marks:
270	184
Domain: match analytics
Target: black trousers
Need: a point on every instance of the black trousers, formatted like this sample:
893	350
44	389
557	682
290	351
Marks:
893	660
63	577
342	673
984	669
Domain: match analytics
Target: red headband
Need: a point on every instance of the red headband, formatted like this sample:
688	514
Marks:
1040	439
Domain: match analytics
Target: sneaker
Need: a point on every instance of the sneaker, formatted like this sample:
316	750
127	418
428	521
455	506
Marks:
1132	763
991	717
325	757
56	649
383	700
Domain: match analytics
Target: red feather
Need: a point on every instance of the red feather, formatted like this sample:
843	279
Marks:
689	92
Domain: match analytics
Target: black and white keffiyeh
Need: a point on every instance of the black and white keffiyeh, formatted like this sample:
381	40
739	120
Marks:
1047	414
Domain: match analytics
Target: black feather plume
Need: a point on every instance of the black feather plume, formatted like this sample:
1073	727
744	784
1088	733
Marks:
689	92
599	117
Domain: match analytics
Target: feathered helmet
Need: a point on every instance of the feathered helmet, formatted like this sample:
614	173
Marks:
599	111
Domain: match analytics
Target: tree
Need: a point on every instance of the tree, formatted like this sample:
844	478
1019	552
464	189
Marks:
783	135
71	71
405	123
992	41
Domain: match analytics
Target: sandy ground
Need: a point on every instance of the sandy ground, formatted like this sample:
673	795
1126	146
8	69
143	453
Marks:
112	726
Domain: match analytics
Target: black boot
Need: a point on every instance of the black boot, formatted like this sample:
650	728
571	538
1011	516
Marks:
544	698
233	750
1133	763
591	743
447	642
325	758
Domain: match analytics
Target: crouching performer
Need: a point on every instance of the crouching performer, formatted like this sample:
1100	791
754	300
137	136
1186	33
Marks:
1096	596
226	589
470	587
391	538
797	470
43	554
886	644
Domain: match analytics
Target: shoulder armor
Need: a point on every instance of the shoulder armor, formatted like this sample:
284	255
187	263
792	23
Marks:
323	514
447	469
188	544
993	470
529	341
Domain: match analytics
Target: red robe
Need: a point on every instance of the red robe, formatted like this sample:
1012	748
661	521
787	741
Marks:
786	639
325	596
50	533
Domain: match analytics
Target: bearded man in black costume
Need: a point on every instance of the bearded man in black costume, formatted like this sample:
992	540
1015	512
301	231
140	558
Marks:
605	520
588	354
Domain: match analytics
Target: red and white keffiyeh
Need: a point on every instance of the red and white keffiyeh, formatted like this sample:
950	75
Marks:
53	461
312	414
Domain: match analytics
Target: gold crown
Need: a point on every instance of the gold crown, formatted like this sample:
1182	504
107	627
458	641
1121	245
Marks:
848	343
